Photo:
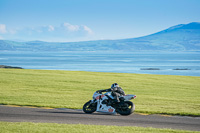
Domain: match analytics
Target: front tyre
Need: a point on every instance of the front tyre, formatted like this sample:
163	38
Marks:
126	108
89	107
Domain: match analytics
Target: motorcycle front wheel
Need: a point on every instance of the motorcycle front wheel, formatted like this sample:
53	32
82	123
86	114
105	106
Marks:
89	107
126	108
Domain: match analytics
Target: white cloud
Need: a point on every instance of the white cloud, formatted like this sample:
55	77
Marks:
87	29
71	27
50	28
63	32
77	28
3	28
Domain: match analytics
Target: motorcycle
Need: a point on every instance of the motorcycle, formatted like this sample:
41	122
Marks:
106	103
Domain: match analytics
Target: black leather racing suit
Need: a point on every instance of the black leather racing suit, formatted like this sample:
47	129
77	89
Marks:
116	92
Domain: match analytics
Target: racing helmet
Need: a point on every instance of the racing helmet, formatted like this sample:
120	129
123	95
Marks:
114	85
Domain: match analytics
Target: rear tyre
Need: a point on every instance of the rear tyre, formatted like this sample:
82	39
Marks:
126	109
89	107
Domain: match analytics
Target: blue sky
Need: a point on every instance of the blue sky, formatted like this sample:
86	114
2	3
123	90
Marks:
82	20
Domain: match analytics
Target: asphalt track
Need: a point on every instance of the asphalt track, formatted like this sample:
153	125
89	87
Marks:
70	116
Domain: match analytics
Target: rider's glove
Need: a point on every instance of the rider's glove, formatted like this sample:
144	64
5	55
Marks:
98	91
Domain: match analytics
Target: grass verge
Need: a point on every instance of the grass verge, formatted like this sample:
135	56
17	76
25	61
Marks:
156	94
28	127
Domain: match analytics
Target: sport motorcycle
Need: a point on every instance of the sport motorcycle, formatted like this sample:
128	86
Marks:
105	103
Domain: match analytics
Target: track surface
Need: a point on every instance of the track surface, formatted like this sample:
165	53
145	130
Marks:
69	116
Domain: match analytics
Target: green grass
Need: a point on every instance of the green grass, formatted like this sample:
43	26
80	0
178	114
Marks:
156	94
27	127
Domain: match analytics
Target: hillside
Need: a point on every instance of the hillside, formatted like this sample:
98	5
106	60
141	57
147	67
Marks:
183	37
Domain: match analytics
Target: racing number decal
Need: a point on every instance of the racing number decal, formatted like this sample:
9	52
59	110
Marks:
98	97
110	110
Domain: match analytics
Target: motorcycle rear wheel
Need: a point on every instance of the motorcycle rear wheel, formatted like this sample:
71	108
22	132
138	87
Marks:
127	108
89	107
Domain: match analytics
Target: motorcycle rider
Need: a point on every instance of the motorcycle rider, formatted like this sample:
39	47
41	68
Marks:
115	90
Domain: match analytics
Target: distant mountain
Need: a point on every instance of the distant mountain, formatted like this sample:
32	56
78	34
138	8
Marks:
183	37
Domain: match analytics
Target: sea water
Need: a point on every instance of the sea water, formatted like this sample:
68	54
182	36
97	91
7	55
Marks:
187	64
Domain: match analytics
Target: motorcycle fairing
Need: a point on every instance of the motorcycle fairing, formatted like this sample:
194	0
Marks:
103	107
129	97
